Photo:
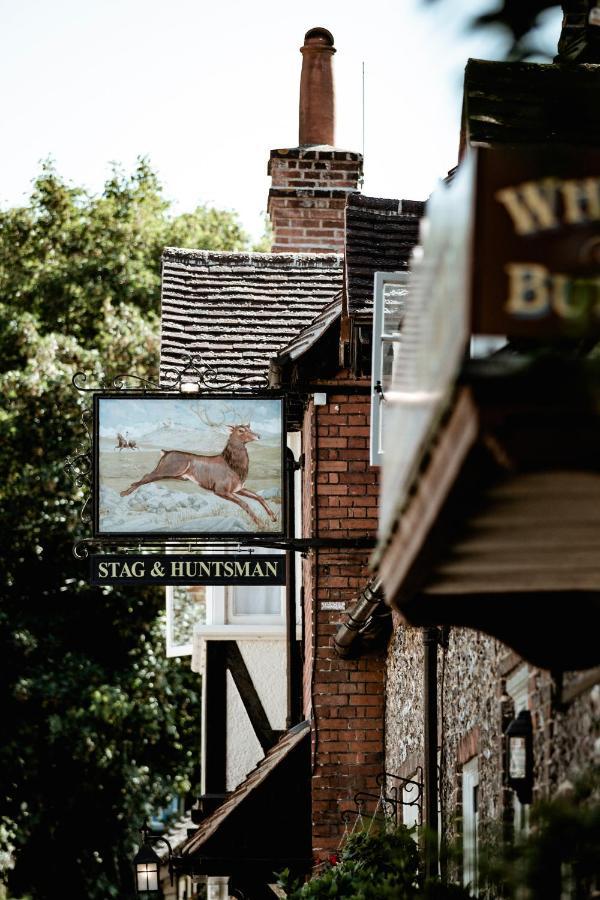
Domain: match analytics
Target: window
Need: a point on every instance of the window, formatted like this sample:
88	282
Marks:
470	803
246	606
249	604
218	611
388	309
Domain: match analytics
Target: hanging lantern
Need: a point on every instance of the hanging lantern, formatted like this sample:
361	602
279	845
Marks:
146	865
519	756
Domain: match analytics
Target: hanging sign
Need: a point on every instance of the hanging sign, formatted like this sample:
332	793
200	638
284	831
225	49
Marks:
179	467
184	569
536	253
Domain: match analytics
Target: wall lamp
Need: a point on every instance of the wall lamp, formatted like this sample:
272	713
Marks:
147	863
519	756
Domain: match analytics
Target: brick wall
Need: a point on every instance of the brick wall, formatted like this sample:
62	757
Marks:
344	698
307	198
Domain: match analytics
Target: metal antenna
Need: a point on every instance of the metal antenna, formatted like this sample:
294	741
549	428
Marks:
363	109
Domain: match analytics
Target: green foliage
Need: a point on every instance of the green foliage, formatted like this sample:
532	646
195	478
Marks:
99	728
373	865
561	855
519	19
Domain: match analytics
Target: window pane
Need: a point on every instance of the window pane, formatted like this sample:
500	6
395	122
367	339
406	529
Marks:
394	296
147	877
249	601
389	352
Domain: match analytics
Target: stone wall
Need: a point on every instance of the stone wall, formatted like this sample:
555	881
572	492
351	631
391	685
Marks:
473	711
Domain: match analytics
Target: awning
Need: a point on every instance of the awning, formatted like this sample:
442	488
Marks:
502	532
264	825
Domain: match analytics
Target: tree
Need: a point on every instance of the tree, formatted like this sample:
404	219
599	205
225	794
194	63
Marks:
99	727
580	36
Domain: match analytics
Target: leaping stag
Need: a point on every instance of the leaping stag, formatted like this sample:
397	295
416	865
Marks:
223	473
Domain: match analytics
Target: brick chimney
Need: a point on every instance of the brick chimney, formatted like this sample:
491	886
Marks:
309	183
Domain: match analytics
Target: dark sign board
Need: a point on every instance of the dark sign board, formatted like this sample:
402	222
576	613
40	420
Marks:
536	244
188	466
183	569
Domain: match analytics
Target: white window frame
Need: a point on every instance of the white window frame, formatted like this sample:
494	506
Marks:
470	817
219	610
222	623
517	688
379	339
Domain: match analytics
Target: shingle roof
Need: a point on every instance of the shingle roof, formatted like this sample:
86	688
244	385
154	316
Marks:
309	335
237	310
519	102
210	827
380	235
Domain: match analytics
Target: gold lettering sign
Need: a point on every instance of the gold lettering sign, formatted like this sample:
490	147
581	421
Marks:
188	569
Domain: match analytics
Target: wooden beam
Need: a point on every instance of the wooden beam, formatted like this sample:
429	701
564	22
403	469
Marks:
215	698
249	695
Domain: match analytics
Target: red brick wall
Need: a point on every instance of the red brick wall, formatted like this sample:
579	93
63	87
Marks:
308	197
344	698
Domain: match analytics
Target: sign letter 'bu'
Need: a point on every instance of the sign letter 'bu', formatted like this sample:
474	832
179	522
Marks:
183	467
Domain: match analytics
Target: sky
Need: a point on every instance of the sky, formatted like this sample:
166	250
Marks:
206	89
143	416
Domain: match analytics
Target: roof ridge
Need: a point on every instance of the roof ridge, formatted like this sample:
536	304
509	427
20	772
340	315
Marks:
320	260
386	205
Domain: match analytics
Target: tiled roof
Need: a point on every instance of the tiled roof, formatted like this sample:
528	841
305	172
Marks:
237	310
249	786
309	336
380	235
519	102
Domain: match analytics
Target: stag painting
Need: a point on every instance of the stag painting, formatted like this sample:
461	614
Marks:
196	458
223	473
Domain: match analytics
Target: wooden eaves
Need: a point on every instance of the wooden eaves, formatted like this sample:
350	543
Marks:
501	531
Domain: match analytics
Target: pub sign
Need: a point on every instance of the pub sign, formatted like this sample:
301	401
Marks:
175	569
178	467
536	250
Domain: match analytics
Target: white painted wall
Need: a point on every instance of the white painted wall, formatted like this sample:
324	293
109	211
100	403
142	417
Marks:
266	662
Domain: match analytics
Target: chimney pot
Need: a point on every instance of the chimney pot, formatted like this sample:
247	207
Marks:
317	104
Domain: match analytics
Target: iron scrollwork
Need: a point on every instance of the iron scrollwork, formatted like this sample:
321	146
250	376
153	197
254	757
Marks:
406	791
80	470
195	372
118	383
205	376
391	797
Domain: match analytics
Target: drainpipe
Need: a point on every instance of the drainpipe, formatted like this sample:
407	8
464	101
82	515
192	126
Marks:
430	736
294	665
363	610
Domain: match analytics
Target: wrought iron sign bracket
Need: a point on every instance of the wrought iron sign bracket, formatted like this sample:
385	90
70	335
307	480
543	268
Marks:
82	548
194	377
392	797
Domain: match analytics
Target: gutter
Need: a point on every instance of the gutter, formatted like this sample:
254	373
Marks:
361	618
